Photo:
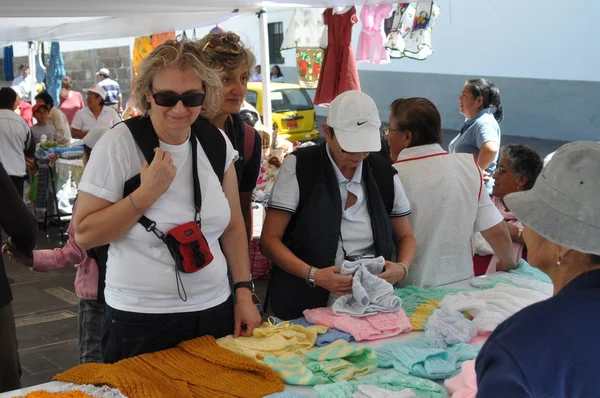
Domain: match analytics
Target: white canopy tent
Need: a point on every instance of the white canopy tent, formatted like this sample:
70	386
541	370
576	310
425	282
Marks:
60	20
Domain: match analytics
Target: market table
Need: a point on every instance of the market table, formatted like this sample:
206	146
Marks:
305	390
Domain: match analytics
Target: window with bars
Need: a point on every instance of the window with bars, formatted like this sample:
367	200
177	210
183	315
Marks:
275	30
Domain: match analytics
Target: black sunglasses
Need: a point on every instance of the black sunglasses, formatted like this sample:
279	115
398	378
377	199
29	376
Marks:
170	100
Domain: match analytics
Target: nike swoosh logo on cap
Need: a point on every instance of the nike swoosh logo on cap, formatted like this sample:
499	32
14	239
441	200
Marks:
360	124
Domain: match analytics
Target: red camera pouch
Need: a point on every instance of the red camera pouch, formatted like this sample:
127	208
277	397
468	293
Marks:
189	247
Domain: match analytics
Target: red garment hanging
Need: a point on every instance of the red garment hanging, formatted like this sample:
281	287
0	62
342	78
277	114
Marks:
339	72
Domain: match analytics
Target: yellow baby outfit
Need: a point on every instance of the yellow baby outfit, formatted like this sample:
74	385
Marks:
274	340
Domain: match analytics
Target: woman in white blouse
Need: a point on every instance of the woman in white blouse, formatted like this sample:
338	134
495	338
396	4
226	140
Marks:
94	114
150	304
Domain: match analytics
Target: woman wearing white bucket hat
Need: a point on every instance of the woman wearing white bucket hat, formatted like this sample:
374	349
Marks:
550	349
94	114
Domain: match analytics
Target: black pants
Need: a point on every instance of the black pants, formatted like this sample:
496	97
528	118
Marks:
18	182
10	367
127	334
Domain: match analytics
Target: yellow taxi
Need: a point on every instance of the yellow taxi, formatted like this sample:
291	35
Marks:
292	108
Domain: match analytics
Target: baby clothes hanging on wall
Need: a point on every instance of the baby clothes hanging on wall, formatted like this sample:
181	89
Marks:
305	29
339	73
411	32
371	42
305	34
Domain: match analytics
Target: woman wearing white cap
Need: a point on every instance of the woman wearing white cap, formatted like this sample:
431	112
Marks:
550	349
94	114
334	202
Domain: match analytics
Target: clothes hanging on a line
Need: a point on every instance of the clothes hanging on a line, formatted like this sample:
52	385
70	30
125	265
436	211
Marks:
339	72
411	31
371	42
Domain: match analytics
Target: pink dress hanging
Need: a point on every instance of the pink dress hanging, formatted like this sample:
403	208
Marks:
371	42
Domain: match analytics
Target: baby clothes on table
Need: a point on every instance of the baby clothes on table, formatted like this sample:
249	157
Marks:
370	294
286	394
524	276
272	339
463	385
390	380
489	308
369	391
418	358
447	327
372	327
195	368
336	362
322	339
371	42
419	303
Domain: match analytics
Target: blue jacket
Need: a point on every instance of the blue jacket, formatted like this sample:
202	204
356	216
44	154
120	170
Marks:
548	350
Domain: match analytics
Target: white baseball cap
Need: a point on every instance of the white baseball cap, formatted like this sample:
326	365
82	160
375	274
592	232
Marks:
92	137
97	89
104	72
355	120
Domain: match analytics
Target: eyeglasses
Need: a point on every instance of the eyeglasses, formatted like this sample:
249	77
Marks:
215	41
170	100
389	130
501	170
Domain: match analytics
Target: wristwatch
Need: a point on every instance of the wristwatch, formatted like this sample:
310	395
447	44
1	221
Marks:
245	284
311	277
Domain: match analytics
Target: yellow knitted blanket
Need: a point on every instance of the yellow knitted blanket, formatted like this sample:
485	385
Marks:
272	339
195	368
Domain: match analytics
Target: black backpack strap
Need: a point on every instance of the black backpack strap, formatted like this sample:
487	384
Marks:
383	172
213	143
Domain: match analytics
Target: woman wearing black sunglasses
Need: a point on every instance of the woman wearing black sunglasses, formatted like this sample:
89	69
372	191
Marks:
226	53
150	304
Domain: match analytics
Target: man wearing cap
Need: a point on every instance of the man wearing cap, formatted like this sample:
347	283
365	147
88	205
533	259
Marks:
447	195
24	81
96	113
56	117
334	202
113	97
15	139
550	349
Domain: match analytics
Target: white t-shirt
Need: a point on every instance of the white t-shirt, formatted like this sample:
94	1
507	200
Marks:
449	203
15	137
85	120
140	275
356	230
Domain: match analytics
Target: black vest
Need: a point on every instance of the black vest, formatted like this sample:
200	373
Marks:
314	230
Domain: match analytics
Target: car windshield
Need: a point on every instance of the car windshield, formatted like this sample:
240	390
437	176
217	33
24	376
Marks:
290	99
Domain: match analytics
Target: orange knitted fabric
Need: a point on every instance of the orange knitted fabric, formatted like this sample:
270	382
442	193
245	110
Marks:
195	368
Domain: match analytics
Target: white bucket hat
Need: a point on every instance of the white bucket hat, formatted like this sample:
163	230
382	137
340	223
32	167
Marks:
564	204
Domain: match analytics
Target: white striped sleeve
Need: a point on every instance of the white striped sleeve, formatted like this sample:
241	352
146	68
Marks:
285	194
401	205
